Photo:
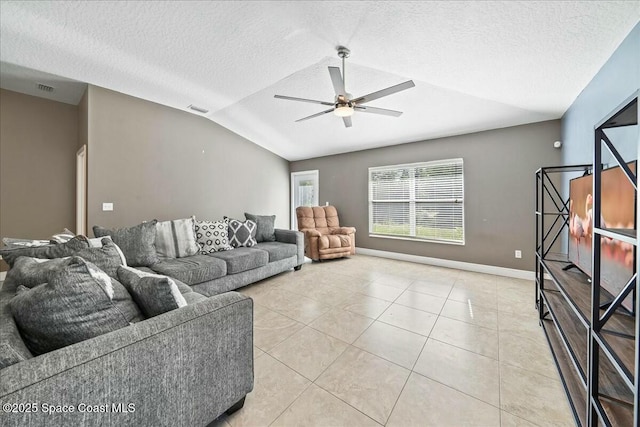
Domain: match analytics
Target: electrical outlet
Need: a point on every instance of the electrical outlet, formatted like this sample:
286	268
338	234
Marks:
518	254
107	207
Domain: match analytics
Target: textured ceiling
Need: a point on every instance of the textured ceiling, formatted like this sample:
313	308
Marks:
477	65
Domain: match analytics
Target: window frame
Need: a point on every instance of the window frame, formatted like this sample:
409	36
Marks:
413	202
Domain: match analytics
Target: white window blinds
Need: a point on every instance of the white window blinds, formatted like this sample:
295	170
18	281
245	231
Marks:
418	201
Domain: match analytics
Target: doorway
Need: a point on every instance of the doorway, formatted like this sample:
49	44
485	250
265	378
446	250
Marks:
305	189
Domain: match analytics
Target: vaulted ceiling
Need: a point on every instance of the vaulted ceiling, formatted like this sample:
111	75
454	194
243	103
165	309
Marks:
477	65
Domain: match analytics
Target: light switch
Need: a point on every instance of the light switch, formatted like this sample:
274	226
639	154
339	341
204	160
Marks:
107	206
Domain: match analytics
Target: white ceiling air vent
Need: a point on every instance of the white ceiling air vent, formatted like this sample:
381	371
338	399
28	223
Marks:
198	109
45	88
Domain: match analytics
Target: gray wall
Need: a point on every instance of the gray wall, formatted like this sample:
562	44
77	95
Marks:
618	79
499	167
38	140
153	161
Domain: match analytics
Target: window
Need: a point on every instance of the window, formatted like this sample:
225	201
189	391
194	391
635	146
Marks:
419	201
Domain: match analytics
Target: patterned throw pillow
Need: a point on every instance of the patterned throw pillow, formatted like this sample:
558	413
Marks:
176	239
242	233
212	236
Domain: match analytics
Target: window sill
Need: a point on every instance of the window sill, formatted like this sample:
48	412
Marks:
416	239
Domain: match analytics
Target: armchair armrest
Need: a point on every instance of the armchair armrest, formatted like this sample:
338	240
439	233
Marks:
311	232
343	230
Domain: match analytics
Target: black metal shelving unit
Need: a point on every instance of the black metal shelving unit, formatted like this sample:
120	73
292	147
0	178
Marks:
594	345
613	343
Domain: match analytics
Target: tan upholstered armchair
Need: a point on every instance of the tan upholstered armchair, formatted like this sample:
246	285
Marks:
323	236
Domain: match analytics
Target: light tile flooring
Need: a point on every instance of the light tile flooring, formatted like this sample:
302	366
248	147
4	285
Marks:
370	341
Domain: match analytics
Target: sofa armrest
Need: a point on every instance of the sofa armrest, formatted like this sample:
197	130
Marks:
185	367
343	230
292	236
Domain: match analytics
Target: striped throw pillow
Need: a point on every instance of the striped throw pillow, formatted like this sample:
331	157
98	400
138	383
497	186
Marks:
63	237
177	238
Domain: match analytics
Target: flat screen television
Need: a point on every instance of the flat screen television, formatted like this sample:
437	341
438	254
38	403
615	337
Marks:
617	264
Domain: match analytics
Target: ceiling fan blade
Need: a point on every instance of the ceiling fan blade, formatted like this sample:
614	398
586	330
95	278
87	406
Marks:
347	122
315	115
312	101
336	79
375	110
384	92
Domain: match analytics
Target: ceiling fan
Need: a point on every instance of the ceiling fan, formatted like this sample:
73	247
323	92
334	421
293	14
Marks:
344	104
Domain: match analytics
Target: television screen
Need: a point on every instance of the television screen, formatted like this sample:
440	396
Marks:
618	212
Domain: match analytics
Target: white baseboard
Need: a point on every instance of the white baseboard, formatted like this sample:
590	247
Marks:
468	266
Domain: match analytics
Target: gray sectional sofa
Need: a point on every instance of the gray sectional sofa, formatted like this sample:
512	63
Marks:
228	270
184	367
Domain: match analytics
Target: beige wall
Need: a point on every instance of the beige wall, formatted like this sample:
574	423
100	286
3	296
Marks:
153	161
38	143
499	167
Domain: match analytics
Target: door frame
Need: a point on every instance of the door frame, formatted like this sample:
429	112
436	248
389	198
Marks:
315	172
81	190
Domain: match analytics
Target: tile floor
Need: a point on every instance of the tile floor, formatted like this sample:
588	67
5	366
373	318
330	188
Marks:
368	341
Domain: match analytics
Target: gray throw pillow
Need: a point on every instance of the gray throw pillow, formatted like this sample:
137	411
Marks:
242	233
107	257
154	293
177	238
78	302
212	236
137	243
265	227
60	250
30	272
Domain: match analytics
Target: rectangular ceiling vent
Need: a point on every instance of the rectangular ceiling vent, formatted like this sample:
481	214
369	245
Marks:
198	109
45	88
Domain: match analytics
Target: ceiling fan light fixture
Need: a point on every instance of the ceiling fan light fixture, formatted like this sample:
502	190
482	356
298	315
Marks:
344	110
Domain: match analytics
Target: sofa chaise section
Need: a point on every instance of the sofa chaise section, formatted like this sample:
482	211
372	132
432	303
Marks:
184	367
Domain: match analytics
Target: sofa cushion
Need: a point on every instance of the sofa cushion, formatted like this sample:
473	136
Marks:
78	302
176	239
242	233
242	259
46	252
192	270
277	250
137	243
212	236
265	225
9	356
